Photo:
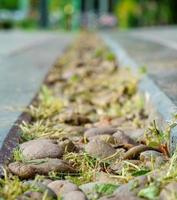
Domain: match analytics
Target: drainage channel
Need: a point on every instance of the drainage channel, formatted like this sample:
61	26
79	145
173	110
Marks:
90	135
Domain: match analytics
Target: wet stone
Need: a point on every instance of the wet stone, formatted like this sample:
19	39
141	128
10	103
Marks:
41	148
61	187
107	130
99	149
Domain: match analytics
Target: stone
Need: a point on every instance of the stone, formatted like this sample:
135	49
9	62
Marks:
40	187
122	138
91	189
61	186
105	130
119	166
150	155
73	118
131	189
46	181
68	146
125	197
135	134
99	149
31	195
169	192
23	171
54	165
40	148
75	195
135	151
106	138
40	166
103	177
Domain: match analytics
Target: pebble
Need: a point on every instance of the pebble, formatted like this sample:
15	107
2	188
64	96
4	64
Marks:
135	151
131	189
107	130
41	148
74	195
122	138
124	197
22	170
61	186
73	118
32	195
150	155
169	192
106	138
36	185
54	165
68	146
99	149
40	166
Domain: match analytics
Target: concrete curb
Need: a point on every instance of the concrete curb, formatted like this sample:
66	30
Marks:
160	106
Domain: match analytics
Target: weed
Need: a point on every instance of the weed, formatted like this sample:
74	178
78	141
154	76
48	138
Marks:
47	107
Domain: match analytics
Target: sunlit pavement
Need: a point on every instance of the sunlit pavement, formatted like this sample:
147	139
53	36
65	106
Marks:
155	48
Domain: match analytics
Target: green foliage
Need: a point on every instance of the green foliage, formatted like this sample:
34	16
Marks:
49	105
133	13
9	4
151	192
105	189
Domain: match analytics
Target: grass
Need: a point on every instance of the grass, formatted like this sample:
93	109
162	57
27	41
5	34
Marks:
47	107
11	187
17	155
85	164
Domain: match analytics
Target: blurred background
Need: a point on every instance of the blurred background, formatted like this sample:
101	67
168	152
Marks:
92	14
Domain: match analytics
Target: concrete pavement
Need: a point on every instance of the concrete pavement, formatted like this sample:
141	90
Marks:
25	59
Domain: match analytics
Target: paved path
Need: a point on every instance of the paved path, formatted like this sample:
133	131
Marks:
25	59
155	48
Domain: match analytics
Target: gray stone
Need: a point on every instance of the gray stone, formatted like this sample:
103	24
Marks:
41	148
31	195
60	187
122	138
75	195
40	166
169	192
150	155
100	131
22	170
40	187
135	151
99	149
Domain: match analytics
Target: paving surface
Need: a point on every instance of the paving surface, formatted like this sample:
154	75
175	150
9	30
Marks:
156	48
25	59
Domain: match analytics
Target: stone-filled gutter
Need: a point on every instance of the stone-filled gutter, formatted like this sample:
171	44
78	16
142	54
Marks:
160	106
